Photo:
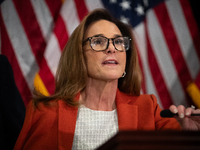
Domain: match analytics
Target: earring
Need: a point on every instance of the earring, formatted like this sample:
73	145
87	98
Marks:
123	75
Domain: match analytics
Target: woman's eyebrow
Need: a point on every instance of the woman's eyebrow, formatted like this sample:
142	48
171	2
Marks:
98	35
116	35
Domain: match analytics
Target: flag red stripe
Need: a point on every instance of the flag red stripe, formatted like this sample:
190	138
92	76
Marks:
47	77
191	22
197	80
143	76
81	8
159	82
8	51
172	42
54	7
33	31
61	32
141	67
36	40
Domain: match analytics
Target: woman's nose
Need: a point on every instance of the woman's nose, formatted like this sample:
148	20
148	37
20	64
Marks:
111	47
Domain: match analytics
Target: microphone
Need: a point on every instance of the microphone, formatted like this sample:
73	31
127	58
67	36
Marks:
166	113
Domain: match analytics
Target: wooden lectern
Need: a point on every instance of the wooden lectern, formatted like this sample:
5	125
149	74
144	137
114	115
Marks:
154	140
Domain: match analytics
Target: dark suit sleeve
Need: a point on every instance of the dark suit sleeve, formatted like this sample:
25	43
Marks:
12	109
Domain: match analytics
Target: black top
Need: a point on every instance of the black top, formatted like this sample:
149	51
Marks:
12	109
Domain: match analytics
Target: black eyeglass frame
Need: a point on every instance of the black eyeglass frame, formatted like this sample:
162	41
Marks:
108	39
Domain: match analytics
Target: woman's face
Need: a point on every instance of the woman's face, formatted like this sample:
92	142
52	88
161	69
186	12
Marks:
105	65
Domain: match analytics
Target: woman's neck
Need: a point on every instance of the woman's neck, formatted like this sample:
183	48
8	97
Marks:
99	95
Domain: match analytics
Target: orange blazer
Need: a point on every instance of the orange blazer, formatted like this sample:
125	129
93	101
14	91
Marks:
53	126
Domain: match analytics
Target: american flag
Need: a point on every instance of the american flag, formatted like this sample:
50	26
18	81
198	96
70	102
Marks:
34	32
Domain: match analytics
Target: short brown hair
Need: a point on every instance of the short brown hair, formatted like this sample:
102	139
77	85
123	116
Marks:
71	74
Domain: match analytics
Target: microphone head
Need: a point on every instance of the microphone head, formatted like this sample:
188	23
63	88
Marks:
166	113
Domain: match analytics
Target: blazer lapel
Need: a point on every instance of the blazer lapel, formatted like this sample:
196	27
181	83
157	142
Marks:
127	113
67	116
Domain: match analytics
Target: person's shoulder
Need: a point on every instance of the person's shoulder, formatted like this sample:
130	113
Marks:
141	96
3	58
4	61
41	109
147	98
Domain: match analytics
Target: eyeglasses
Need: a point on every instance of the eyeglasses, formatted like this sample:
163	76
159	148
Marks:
101	43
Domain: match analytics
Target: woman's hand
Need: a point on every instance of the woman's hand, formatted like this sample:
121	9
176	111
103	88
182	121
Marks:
184	117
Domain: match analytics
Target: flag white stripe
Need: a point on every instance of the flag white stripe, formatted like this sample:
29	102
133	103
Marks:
52	53
70	16
164	59
150	86
91	4
20	45
140	39
44	17
179	23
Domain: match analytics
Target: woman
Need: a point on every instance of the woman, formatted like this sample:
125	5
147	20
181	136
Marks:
97	92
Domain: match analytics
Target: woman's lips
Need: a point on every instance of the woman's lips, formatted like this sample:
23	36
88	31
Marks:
110	62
